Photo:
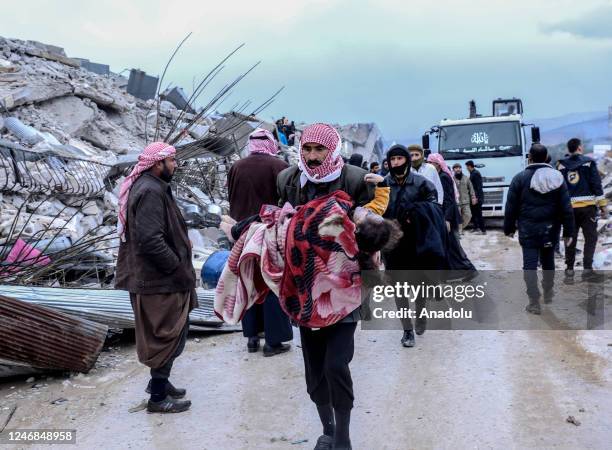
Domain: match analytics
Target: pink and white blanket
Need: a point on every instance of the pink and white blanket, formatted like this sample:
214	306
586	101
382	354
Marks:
314	271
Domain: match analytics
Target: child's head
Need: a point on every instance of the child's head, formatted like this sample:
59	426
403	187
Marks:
373	233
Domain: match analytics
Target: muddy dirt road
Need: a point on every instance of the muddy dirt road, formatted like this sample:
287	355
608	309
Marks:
455	389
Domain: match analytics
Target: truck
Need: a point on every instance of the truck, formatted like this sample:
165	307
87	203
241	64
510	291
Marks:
497	144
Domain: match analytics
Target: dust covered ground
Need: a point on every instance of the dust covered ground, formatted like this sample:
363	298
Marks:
455	389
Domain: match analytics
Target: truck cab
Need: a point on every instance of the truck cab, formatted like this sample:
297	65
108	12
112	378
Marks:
496	144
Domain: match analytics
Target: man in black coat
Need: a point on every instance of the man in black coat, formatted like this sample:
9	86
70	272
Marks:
476	179
538	201
407	188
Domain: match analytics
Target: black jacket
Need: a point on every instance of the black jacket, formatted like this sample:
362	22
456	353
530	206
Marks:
402	201
583	181
432	237
156	256
403	196
449	205
539	203
476	179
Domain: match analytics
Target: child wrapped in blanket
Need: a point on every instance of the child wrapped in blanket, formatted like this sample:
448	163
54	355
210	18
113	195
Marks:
373	233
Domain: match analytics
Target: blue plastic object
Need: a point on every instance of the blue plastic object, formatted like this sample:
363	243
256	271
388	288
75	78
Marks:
212	268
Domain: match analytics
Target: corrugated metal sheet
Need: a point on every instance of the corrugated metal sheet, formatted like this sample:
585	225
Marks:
110	307
47	339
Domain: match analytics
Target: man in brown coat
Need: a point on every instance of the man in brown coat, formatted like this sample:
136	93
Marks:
154	265
252	183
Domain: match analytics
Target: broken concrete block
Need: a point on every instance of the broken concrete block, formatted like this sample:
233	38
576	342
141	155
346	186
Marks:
104	99
37	90
7	66
91	209
198	131
52	56
111	202
71	112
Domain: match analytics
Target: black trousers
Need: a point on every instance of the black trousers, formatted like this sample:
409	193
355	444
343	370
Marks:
416	306
164	371
477	219
327	354
269	318
531	256
585	218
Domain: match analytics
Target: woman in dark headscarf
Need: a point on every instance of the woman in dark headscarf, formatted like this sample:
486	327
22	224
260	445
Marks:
457	259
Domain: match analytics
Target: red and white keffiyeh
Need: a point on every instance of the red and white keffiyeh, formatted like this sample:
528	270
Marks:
153	153
262	141
330	169
439	160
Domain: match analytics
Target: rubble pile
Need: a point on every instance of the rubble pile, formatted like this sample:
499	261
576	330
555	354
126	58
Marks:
363	138
69	135
90	115
603	258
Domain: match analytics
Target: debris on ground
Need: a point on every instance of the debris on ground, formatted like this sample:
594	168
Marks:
139	407
63	342
573	420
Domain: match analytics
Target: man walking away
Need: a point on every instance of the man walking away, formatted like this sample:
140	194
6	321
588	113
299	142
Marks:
586	193
476	179
154	265
420	166
538	201
467	196
251	183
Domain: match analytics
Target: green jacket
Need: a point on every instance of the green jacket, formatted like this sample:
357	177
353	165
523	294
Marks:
466	190
351	181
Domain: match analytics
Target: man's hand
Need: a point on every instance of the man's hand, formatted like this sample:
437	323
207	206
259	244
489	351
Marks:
226	226
373	178
568	241
474	201
448	226
603	211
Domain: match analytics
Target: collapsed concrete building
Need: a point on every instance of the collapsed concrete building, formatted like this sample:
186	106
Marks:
69	133
363	138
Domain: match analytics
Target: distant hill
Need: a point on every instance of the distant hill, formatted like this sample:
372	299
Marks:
588	127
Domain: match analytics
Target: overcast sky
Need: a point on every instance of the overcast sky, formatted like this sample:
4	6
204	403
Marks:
401	64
